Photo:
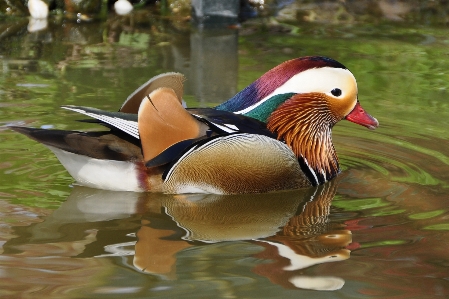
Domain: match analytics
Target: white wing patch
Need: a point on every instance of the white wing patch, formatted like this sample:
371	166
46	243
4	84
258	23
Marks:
127	126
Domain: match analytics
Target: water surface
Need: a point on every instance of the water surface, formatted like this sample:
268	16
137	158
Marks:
379	230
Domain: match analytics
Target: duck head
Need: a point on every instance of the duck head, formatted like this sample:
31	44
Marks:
301	100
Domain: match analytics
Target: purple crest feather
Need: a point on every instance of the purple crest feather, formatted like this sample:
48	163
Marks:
273	79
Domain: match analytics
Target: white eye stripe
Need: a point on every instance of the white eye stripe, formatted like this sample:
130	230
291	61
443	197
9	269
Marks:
322	80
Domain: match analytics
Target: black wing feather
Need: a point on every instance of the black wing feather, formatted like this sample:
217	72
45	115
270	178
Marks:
244	124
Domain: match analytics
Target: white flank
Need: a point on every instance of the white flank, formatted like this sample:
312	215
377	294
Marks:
101	174
322	80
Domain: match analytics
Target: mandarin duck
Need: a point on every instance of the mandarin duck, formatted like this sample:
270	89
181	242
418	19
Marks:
273	135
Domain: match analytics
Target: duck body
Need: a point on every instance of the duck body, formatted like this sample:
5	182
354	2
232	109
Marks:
225	163
273	135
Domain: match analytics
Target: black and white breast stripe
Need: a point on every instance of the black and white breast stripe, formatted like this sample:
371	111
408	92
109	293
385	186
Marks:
314	179
227	128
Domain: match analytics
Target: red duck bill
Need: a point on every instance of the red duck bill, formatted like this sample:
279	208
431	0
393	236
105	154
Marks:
359	116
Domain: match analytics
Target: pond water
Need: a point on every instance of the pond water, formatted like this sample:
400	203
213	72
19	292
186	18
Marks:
380	230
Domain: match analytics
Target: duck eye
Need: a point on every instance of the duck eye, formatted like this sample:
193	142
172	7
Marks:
336	92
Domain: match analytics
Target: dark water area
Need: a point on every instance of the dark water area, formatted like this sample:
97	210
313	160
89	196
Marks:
380	230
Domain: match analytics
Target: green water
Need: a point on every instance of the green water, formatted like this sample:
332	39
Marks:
379	230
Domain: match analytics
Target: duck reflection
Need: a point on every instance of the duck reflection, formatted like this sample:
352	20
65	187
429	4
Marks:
37	24
307	239
206	218
291	228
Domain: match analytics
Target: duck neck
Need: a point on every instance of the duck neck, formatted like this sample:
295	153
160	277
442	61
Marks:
305	123
264	109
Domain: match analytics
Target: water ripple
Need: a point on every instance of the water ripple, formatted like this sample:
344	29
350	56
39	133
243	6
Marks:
400	159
